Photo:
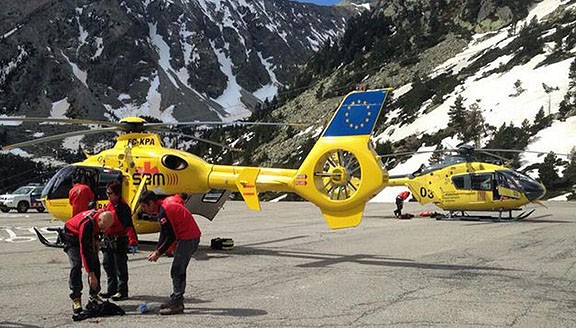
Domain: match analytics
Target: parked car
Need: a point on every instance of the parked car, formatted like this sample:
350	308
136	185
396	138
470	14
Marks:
22	199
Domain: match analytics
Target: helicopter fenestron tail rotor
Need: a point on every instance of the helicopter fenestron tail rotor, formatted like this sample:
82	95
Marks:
338	174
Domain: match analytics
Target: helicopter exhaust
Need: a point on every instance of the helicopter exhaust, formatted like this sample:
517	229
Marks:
339	175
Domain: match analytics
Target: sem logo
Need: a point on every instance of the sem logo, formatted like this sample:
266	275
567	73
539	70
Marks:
141	141
149	174
156	179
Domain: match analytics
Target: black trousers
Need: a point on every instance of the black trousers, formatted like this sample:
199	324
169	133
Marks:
75	278
182	254
399	206
115	263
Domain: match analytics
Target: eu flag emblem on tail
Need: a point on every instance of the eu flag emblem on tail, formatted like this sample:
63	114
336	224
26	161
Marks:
357	114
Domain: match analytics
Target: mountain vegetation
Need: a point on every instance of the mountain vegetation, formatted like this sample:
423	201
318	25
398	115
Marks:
406	44
402	43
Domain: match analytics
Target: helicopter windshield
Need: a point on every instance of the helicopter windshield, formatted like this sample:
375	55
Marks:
97	178
520	182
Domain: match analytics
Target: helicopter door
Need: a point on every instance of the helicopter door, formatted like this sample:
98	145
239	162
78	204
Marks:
105	176
506	187
134	201
208	204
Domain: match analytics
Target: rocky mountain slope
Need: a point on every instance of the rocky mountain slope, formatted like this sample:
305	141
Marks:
174	60
511	62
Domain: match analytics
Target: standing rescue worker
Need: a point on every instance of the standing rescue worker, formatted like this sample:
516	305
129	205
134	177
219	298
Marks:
81	237
180	199
400	203
117	241
176	224
80	196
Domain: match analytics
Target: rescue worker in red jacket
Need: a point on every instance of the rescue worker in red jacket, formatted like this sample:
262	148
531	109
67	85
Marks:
80	196
177	198
176	224
180	199
117	241
400	203
82	232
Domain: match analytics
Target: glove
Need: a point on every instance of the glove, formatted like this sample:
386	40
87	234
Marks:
133	249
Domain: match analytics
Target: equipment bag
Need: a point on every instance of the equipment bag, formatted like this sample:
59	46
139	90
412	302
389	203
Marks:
222	243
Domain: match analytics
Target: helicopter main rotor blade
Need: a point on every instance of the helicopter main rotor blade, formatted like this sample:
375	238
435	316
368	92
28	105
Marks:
196	123
60	120
59	137
416	152
487	151
502	158
526	151
198	139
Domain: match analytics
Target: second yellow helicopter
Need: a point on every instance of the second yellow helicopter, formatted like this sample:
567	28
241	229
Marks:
460	184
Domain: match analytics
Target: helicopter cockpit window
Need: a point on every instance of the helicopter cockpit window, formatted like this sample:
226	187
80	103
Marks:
105	177
481	182
510	180
473	182
60	184
174	162
462	182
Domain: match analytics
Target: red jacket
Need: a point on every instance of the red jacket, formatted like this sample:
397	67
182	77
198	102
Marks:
176	223
403	195
79	197
174	199
122	225
84	227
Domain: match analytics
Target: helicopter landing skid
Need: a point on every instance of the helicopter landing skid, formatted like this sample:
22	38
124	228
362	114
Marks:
58	243
465	217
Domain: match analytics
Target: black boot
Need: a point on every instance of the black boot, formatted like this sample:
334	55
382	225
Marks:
174	308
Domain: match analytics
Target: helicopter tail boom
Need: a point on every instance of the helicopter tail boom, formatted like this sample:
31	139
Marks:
417	187
339	175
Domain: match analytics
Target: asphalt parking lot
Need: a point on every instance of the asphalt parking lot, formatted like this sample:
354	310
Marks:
288	269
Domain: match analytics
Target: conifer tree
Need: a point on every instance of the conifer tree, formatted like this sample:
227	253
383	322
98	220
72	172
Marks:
569	173
437	157
541	121
457	115
474	127
547	171
572	77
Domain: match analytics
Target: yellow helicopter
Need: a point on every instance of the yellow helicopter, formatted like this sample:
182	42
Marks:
460	183
339	175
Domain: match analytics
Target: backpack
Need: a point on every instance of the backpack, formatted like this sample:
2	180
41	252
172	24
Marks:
94	309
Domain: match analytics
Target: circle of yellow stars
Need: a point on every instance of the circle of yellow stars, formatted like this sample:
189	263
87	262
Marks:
366	120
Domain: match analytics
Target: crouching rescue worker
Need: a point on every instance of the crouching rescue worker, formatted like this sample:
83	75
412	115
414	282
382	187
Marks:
81	237
176	224
116	242
400	203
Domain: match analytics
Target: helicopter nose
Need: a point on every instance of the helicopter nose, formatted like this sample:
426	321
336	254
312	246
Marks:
534	191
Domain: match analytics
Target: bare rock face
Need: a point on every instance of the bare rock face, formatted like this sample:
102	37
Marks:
169	59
